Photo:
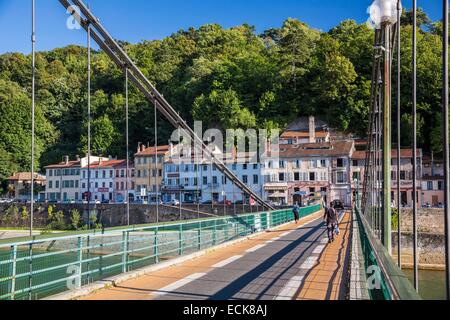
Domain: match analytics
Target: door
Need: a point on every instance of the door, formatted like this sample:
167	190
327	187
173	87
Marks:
435	201
404	198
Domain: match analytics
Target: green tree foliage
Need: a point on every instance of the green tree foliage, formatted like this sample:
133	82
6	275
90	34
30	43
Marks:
229	78
75	219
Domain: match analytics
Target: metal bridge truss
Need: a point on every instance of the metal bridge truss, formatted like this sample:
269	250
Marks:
101	36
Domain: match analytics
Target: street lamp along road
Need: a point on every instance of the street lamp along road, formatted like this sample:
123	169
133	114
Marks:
383	11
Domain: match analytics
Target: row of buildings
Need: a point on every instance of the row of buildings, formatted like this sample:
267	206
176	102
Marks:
313	160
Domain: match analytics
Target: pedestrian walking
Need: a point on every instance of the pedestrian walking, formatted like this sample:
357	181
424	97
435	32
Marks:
296	212
331	221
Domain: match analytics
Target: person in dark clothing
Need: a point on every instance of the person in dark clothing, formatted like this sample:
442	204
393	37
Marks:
296	212
331	220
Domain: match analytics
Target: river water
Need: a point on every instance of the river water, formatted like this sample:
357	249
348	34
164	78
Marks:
431	284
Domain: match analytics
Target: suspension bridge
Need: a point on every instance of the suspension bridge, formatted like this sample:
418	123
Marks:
255	256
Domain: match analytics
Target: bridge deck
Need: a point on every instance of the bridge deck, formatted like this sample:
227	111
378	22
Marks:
292	262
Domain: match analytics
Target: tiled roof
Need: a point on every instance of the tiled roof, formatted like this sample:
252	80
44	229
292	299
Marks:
151	151
302	134
404	153
329	149
25	176
64	165
108	164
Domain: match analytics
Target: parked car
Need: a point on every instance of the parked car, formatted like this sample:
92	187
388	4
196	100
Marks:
338	204
175	202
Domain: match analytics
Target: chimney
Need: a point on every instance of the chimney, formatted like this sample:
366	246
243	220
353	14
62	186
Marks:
171	149
100	161
312	130
66	159
142	147
77	157
139	147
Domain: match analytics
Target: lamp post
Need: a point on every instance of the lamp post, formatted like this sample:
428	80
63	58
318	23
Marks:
384	14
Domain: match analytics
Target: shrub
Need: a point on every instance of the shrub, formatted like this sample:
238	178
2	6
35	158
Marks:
57	221
394	219
75	219
24	216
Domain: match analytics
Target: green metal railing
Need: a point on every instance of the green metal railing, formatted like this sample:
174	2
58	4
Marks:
389	282
43	267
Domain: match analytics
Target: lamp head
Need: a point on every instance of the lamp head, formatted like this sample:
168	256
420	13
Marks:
384	11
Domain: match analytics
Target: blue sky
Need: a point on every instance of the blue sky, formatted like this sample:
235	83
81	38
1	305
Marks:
136	20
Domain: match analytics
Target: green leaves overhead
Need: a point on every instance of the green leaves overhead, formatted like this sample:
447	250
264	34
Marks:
229	78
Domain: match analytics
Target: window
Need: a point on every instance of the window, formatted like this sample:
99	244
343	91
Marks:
281	177
57	184
205	167
50	173
96	185
402	175
340	177
117	186
214	180
83	185
312	176
205	180
96	174
84	174
244	166
430	185
77	183
340	163
234	167
245	179
441	185
282	164
297	176
297	164
255	166
50	184
255	179
355	163
323	163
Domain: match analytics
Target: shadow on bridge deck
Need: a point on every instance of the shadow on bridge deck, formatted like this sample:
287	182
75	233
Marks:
291	262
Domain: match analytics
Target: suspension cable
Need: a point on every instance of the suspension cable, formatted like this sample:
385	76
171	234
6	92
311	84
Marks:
127	146
414	111
156	161
33	106
89	121
399	110
445	120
